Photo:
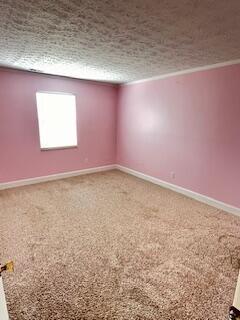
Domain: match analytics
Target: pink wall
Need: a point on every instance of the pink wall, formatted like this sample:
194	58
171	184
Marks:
188	124
20	154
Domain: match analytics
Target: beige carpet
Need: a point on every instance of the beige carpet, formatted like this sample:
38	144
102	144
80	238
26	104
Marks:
111	246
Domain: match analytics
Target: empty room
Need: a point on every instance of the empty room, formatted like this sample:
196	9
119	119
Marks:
119	159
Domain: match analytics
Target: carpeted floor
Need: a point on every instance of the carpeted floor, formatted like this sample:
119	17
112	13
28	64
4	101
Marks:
111	246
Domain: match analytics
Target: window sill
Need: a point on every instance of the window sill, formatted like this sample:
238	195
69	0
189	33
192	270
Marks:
58	148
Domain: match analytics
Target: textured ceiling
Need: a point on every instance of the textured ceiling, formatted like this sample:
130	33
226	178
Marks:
118	41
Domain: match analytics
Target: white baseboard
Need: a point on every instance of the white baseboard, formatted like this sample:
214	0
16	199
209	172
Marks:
191	194
53	177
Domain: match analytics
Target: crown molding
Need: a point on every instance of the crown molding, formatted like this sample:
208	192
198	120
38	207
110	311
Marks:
186	71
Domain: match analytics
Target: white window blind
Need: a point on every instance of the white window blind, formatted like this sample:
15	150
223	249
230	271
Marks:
57	120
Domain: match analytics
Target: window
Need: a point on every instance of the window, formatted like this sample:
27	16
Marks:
56	120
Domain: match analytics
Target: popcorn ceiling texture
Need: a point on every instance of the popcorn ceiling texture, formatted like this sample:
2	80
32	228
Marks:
118	41
111	246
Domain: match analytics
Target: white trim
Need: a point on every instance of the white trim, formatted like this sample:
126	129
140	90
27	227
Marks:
3	303
53	177
181	72
59	148
8	67
191	194
58	92
236	300
119	84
